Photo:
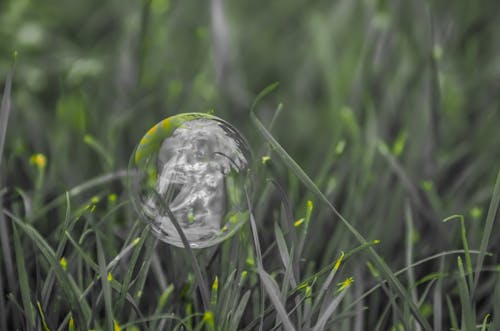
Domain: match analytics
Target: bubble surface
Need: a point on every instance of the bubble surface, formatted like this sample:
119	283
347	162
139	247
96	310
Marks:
196	166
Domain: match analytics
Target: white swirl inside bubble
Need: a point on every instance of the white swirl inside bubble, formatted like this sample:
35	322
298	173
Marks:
201	168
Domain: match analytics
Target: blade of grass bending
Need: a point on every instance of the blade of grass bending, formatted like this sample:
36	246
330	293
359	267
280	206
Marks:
104	283
42	316
23	280
320	325
465	243
238	313
81	308
304	178
490	219
273	292
96	181
197	270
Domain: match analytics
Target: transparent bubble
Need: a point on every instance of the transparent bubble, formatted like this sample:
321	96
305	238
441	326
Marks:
194	170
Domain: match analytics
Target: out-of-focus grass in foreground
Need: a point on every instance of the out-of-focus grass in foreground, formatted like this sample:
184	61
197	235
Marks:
386	120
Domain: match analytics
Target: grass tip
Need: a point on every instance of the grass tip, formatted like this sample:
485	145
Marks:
298	222
215	285
345	284
339	261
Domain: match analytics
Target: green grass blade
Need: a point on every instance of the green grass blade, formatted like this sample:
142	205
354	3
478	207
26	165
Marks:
240	309
267	90
200	278
162	300
105	284
272	291
485	323
23	280
80	307
409	253
496	306
325	286
9	272
304	178
285	256
488	227
99	148
42	316
145	235
79	189
332	306
465	299
465	243
5	108
49	282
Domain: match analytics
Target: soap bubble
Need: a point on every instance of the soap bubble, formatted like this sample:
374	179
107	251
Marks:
198	166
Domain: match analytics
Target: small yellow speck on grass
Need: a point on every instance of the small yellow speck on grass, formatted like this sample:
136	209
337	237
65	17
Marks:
63	263
345	284
298	222
339	261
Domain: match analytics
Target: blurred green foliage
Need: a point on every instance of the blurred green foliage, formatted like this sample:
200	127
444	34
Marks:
386	104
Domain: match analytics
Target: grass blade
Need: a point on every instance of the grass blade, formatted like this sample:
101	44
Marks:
145	234
80	307
306	180
285	256
23	280
238	313
488	227
320	325
465	300
5	111
105	284
4	232
273	292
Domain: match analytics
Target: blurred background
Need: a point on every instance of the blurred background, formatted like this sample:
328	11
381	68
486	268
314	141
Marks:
388	105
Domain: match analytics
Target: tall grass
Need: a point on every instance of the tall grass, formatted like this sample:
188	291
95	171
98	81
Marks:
376	182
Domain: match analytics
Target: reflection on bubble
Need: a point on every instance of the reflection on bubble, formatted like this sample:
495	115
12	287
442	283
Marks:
198	166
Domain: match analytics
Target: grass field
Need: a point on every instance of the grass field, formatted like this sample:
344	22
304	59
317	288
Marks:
375	173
